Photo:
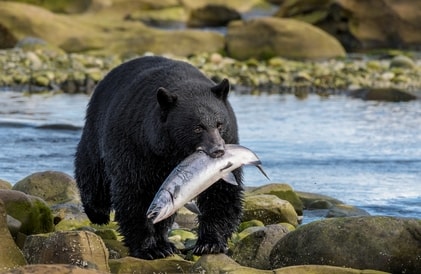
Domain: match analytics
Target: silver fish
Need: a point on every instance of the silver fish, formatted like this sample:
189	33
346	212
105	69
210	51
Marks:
194	175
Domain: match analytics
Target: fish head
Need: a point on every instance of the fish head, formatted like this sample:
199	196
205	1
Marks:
162	207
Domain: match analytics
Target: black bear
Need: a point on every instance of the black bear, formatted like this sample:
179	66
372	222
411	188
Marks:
143	119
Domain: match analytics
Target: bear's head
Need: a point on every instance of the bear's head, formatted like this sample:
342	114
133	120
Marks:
198	118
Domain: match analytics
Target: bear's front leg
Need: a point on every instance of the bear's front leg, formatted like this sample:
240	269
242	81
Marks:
221	208
145	240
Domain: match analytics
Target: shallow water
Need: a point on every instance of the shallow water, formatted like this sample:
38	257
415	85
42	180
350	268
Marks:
367	154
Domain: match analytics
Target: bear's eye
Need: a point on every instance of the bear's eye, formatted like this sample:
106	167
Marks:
220	126
198	129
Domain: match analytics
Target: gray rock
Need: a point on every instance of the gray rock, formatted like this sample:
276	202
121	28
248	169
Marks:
81	248
212	15
266	37
54	187
381	243
345	211
269	209
10	255
254	249
31	211
53	269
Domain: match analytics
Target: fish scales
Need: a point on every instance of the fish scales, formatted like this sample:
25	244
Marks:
194	175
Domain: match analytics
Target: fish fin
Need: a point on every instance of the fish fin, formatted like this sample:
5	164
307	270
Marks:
176	192
259	166
230	179
192	206
229	164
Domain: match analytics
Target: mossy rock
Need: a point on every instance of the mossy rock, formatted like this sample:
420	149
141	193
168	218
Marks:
5	184
31	211
82	248
371	242
254	249
315	201
52	186
267	37
251	223
269	209
383	94
173	264
10	255
282	191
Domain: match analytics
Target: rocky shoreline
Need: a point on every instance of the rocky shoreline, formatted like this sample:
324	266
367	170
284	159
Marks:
395	78
43	228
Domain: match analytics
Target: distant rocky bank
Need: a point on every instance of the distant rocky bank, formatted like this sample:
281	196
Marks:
270	46
43	229
33	66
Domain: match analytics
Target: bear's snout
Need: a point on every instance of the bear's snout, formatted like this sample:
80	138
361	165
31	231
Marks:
212	143
217	151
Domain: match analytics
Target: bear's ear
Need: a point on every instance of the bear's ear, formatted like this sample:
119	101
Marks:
166	99
221	90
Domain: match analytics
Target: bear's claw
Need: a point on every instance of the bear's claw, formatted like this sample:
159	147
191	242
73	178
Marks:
155	252
210	248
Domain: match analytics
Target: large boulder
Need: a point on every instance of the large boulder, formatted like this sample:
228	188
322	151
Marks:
31	211
53	187
382	243
254	249
5	184
269	209
92	33
223	264
362	25
81	248
69	6
53	269
282	191
212	15
172	264
10	255
267	37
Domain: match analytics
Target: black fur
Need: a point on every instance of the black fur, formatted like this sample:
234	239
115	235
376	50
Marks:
145	117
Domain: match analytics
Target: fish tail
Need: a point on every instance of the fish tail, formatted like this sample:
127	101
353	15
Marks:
260	167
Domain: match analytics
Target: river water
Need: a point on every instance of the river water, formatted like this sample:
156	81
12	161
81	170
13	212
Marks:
365	153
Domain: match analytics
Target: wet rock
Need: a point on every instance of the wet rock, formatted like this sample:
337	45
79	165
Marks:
14	226
52	186
382	94
173	17
185	218
402	61
362	25
221	263
81	248
52	269
264	38
251	223
317	201
254	249
91	33
381	243
172	264
31	211
324	269
282	191
269	209
5	184
345	211
10	255
212	15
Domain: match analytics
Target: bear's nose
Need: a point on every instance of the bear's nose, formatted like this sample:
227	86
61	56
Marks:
217	152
